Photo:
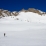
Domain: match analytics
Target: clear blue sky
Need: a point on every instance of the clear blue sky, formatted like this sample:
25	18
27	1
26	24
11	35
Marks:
16	5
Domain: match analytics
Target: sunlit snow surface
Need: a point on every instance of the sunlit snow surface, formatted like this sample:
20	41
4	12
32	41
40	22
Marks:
21	32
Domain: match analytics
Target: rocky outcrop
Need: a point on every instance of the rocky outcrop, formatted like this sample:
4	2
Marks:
15	13
7	12
1	12
34	10
4	13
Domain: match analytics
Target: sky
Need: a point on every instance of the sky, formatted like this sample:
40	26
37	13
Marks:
17	5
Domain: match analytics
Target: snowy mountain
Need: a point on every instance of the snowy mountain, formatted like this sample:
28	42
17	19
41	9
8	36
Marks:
30	15
15	13
23	28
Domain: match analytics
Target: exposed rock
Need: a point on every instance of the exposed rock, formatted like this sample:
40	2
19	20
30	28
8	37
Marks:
23	10
34	10
4	11
7	12
15	13
17	18
1	10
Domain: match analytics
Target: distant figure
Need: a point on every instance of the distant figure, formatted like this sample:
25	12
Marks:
4	34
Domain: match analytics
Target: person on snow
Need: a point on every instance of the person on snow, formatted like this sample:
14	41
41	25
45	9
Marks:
4	34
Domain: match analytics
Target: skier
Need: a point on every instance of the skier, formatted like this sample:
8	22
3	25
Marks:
4	34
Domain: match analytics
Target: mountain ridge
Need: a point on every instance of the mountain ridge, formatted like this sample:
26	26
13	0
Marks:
4	13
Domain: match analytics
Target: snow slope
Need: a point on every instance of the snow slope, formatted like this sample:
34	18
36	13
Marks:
26	16
29	30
